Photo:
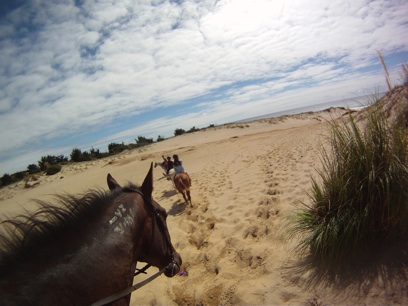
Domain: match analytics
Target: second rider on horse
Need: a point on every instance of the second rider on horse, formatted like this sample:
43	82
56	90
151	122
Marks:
168	164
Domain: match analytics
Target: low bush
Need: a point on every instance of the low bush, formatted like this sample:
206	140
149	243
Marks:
53	169
178	132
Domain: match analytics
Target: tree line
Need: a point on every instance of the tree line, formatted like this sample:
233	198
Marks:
52	164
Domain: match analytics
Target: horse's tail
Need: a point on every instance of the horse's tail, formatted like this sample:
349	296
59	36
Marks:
184	182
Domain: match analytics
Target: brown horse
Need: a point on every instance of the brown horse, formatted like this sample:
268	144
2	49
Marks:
86	248
182	182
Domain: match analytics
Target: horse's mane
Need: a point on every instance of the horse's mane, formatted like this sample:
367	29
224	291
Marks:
27	233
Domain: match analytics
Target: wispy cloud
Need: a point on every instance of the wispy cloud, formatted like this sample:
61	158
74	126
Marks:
105	71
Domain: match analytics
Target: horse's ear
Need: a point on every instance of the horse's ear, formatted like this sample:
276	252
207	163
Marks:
112	183
147	186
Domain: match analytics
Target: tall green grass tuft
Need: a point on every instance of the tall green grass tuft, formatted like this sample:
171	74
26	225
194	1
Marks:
361	194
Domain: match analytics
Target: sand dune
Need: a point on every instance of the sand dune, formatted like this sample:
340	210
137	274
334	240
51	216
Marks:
247	179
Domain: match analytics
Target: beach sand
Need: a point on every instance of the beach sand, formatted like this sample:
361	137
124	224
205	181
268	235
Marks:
247	180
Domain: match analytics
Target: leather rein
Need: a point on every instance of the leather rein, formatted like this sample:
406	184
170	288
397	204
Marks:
129	290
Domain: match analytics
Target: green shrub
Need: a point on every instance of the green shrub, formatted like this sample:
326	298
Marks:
76	155
33	168
95	153
18	176
143	140
115	148
193	129
178	132
51	160
53	169
6	179
86	156
361	197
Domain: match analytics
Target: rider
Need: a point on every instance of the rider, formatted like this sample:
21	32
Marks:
178	166
168	164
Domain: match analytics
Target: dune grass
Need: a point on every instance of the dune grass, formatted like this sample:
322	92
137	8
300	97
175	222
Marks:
361	195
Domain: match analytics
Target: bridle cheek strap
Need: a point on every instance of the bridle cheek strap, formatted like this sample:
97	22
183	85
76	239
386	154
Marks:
129	290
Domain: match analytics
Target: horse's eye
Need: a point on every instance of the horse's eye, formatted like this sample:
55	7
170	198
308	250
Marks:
164	214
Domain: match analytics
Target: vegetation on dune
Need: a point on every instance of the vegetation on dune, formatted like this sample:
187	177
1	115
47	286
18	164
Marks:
361	195
53	169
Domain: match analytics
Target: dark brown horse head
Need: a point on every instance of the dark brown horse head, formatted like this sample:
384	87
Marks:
156	247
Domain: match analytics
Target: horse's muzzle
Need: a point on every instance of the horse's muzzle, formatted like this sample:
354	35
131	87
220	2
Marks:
174	267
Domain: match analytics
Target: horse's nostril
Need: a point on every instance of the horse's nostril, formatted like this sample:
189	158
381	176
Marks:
172	270
177	259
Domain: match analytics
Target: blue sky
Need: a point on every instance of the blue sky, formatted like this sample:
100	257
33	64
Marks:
87	73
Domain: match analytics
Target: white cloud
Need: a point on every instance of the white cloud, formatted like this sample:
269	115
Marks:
67	69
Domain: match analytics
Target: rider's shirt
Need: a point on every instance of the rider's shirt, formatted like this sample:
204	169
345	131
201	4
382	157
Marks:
179	168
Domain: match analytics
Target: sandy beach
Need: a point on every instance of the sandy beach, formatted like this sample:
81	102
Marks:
247	180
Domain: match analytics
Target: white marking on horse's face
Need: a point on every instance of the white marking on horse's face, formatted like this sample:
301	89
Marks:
113	220
119	229
122	219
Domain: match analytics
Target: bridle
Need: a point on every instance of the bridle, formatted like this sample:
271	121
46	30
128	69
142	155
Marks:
129	290
171	265
160	225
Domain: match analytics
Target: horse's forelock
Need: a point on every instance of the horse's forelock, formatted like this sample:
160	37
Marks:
131	188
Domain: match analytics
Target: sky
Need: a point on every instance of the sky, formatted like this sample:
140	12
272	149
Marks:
86	73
